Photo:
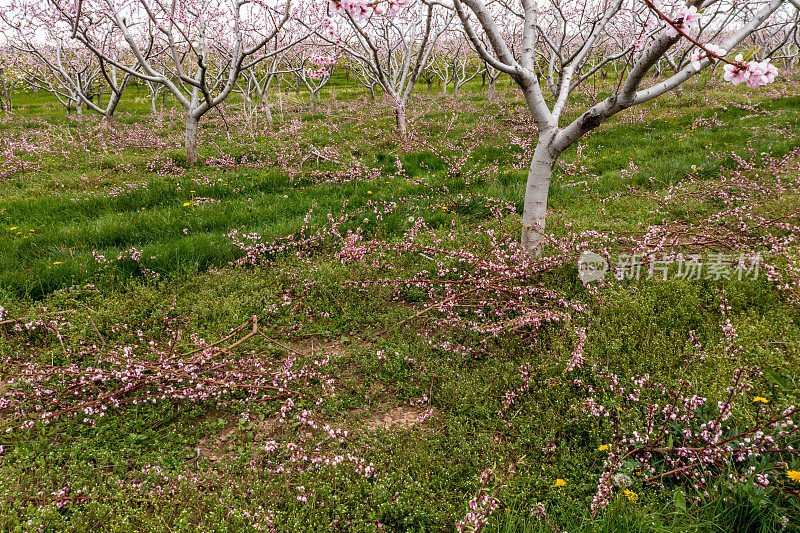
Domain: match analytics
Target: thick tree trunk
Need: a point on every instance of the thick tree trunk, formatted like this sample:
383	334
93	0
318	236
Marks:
402	121
491	90
312	101
79	112
536	193
191	140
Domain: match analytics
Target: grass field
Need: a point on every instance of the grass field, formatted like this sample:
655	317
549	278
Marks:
422	399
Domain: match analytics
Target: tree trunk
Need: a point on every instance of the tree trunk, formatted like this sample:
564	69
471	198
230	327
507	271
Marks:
536	193
312	101
191	140
5	101
491	91
268	112
79	112
402	122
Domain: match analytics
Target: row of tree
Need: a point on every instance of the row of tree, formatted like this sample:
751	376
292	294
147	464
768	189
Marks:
200	52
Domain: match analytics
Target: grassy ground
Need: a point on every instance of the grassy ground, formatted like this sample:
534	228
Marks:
83	190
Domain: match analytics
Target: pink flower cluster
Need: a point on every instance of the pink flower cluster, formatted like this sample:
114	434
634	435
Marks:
318	74
362	9
321	60
698	54
754	73
686	20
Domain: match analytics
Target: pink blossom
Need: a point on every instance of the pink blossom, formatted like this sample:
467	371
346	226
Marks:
685	21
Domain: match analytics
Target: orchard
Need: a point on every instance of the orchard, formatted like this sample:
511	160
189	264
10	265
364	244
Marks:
399	265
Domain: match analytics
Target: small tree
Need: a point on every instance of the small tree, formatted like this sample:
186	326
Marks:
394	42
556	42
196	49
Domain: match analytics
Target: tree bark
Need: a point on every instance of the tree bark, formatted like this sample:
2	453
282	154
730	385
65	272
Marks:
537	190
402	122
268	112
191	140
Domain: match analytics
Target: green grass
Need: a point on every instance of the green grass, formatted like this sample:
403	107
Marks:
62	212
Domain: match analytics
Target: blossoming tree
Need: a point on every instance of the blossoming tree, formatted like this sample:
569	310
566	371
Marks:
52	61
394	41
196	49
557	41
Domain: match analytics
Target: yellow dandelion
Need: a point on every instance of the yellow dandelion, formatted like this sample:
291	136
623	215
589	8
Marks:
12	229
369	192
632	496
58	262
603	447
186	204
760	399
794	475
559	483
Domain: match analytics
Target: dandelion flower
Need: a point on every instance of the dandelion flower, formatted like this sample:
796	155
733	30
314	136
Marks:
12	229
602	447
760	399
632	496
559	483
58	262
794	475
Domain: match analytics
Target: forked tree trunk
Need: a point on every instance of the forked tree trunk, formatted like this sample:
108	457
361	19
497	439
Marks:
491	90
191	140
312	101
537	190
